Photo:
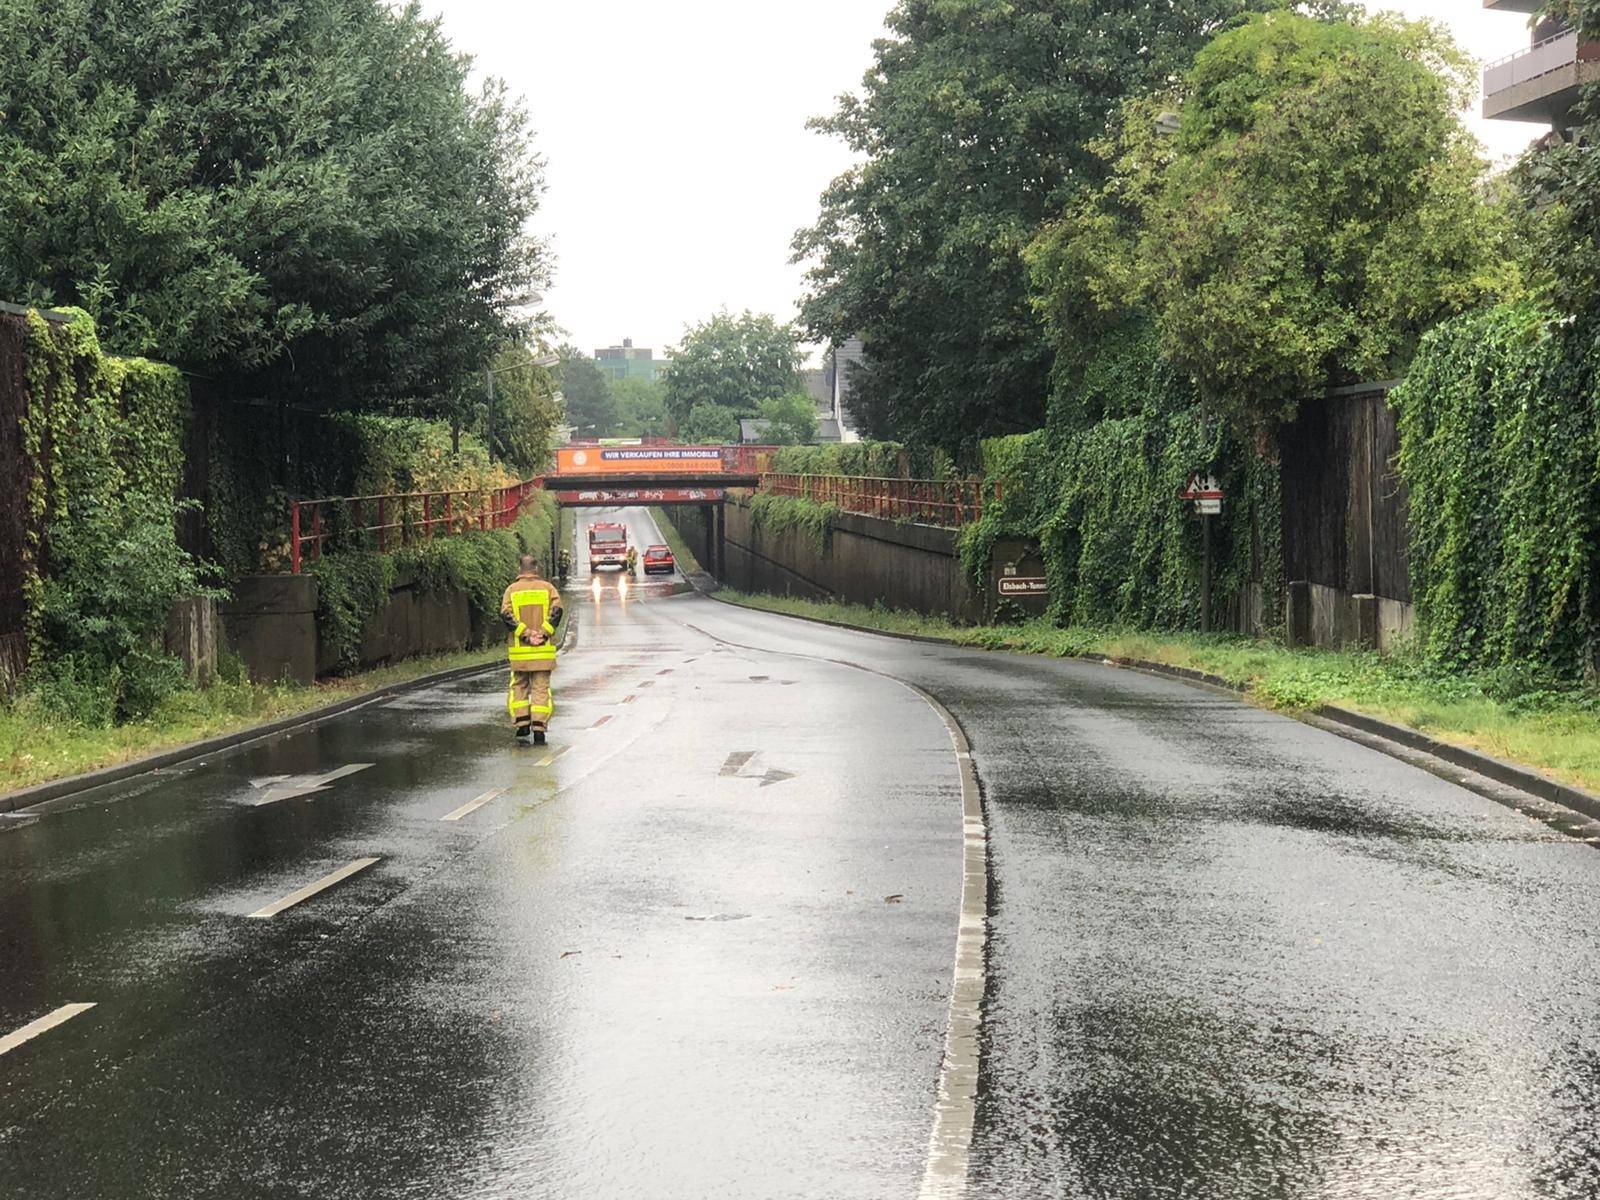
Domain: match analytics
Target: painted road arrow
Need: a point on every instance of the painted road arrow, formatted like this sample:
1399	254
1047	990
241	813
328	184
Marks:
289	787
737	765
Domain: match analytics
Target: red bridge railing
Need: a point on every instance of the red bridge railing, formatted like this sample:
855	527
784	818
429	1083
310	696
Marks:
947	502
400	518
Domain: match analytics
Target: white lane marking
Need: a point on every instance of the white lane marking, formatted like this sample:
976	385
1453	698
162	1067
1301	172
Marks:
955	1112
472	806
311	889
291	787
287	793
350	769
43	1025
552	756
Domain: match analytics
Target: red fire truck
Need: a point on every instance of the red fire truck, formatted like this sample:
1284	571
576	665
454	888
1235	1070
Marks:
608	546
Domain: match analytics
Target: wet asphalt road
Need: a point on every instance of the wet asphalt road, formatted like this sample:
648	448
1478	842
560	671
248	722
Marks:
1230	955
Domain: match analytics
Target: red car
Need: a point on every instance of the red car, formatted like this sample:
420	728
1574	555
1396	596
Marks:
658	558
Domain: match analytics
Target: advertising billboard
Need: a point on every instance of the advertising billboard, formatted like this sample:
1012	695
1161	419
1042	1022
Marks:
642	460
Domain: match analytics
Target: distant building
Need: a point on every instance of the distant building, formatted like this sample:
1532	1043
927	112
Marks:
628	361
842	364
818	385
1542	83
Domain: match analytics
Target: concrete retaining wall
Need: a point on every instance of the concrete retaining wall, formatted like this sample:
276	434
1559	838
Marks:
866	561
194	634
1326	616
270	623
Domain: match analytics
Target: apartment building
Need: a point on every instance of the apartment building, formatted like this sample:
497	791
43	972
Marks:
1542	83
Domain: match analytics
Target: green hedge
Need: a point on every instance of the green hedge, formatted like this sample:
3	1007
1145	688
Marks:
1499	423
882	460
261	459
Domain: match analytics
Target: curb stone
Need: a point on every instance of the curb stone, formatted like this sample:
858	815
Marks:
1525	779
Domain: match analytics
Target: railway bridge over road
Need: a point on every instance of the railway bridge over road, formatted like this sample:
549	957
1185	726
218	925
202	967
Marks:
607	476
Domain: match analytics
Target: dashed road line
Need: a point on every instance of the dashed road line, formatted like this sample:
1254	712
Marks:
601	721
627	700
311	889
43	1025
472	806
552	756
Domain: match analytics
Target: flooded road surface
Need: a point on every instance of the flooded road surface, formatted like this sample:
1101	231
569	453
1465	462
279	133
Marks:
701	944
657	961
1235	956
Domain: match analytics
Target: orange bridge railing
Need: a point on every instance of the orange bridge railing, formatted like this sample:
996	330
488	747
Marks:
400	518
947	502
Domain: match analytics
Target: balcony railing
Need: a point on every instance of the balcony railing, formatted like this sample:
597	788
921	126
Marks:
1539	59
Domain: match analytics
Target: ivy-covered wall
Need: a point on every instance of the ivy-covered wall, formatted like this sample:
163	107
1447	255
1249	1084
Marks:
1500	448
101	564
1099	488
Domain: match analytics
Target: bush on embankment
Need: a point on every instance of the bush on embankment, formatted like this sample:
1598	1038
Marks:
1499	422
879	460
353	586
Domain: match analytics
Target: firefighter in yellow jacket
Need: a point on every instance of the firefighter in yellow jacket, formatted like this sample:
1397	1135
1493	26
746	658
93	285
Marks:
531	610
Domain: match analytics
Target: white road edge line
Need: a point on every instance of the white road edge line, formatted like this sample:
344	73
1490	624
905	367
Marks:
43	1025
311	889
552	756
955	1111
472	806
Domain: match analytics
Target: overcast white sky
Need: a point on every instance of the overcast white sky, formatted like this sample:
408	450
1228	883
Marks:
679	162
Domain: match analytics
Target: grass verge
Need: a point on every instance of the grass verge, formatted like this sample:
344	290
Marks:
38	745
1554	729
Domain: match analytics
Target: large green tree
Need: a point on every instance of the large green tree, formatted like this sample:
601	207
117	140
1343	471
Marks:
735	362
301	199
641	408
709	424
1316	208
973	126
590	406
519	427
791	420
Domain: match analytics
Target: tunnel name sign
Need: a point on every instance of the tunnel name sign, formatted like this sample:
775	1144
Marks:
1012	584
